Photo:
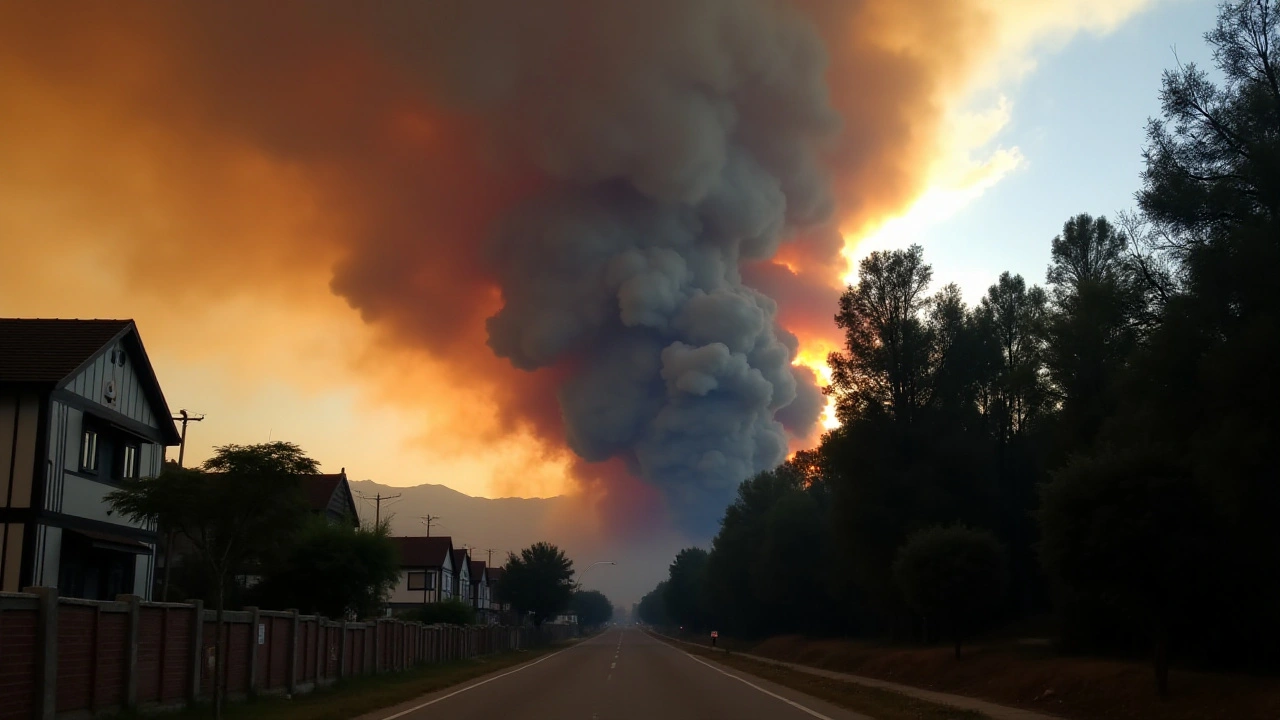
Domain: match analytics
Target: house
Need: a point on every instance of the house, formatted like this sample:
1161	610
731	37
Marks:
426	571
498	610
331	496
80	409
480	591
462	574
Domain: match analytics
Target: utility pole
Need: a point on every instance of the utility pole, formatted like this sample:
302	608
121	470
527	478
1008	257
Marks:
427	520
185	417
491	551
377	505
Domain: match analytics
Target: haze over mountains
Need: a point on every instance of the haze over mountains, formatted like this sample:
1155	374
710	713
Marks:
509	524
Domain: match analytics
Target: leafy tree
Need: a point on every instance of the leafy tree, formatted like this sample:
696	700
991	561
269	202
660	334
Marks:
1012	317
952	573
886	340
1094	325
447	612
333	569
685	595
539	581
1202	384
592	608
242	500
1131	532
653	609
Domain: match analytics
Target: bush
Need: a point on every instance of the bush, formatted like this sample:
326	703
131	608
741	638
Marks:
952	573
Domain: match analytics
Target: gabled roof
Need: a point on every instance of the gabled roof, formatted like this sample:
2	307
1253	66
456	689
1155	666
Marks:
423	552
52	351
459	559
319	491
477	571
495	574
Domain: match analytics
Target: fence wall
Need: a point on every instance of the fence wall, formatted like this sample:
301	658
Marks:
60	656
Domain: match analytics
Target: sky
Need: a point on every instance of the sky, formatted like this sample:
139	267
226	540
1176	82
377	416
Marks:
377	236
1076	122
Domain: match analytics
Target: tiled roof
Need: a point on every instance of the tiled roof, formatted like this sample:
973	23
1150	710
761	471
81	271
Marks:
428	552
48	351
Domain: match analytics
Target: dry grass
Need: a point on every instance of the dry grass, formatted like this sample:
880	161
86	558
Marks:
360	695
1036	678
877	703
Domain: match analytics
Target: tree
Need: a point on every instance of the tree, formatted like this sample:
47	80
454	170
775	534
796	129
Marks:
244	500
685	596
1012	316
1093	328
1202	384
1131	533
653	608
333	569
886	341
592	608
952	573
539	581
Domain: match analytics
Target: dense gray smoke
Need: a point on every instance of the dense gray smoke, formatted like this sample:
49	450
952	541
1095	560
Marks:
684	140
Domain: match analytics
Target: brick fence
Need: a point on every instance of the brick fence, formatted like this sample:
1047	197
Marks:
60	656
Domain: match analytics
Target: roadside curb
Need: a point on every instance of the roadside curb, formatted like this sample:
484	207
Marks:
963	702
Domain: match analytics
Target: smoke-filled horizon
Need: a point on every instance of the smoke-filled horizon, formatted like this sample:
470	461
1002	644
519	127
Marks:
611	228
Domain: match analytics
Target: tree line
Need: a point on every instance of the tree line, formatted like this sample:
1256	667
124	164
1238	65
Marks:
1103	445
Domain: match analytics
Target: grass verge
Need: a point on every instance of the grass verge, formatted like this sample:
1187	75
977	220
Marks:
360	695
876	702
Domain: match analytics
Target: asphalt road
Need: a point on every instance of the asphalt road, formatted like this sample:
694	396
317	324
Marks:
621	674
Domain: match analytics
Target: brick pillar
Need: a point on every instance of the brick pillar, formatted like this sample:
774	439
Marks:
131	650
377	646
46	702
295	648
196	652
255	617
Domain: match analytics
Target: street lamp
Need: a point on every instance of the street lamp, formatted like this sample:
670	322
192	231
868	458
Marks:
584	572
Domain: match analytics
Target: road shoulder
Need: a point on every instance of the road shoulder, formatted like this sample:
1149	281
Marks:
878	698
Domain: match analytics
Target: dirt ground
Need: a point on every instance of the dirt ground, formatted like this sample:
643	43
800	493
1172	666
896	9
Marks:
1035	677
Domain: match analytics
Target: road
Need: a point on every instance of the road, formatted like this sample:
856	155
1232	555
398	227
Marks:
620	674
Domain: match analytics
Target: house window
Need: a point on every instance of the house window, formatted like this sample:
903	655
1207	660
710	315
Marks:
417	580
129	462
89	451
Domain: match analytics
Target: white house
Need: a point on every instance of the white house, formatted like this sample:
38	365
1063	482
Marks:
80	409
426	571
462	575
480	591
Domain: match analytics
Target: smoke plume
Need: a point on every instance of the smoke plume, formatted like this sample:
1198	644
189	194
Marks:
615	222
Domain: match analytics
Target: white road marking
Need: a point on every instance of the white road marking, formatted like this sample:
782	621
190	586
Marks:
416	708
792	703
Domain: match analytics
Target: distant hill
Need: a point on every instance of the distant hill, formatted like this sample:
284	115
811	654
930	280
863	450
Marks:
503	524
509	524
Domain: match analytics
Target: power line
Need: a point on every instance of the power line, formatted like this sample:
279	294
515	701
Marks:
377	504
185	417
427	520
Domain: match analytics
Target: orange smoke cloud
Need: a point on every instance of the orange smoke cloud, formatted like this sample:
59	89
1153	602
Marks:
287	159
